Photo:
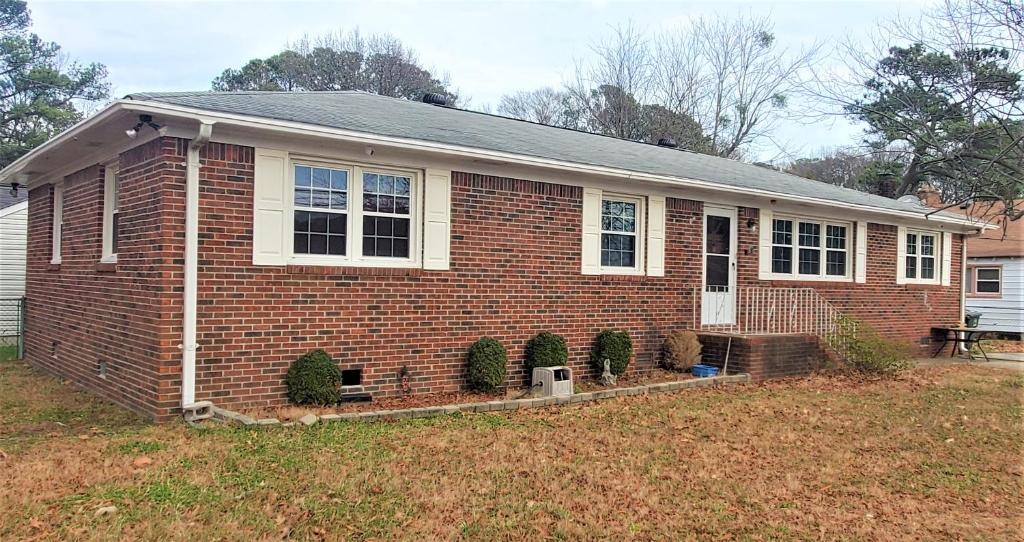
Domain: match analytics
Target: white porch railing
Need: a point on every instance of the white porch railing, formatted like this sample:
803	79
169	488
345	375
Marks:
772	311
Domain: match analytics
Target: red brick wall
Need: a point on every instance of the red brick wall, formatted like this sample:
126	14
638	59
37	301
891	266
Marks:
81	312
515	271
764	356
902	312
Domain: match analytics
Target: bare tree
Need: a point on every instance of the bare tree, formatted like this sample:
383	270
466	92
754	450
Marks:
610	90
731	76
544	105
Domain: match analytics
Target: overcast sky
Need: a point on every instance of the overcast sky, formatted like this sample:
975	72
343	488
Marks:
487	48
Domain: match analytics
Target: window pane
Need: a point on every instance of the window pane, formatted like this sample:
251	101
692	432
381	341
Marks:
386	204
370	202
782	232
835	237
987	287
402	186
302	197
810	262
401	206
317	244
302	243
303	176
321	178
339	200
302	221
835	263
911	267
718	234
716	271
339	179
370	183
386	184
318	222
927	245
115	229
911	243
810	234
927	268
782	260
321	199
987	274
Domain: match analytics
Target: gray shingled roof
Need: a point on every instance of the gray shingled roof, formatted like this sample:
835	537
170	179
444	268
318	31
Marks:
372	114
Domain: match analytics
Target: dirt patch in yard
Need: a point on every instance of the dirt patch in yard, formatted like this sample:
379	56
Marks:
933	455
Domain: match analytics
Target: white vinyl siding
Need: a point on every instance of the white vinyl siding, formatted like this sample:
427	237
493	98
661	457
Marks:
1005	311
13	238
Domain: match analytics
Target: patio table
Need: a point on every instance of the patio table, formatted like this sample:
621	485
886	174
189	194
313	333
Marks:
962	335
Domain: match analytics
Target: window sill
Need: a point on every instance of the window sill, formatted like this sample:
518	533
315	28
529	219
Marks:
607	277
53	266
984	296
923	285
105	267
109	259
324	270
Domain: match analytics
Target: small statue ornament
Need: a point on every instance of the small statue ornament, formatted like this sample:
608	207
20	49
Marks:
607	378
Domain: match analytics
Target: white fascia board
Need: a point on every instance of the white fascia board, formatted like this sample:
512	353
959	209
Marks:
283	126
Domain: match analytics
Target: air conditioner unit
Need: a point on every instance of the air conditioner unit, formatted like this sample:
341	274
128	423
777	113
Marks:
552	381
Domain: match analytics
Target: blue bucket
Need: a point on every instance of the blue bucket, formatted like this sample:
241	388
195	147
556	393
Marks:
704	371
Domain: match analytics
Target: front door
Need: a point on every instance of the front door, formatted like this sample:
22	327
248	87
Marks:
718	297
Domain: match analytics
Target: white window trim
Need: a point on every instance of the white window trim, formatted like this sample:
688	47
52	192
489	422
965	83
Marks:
58	222
354	239
795	246
640	233
938	256
110	208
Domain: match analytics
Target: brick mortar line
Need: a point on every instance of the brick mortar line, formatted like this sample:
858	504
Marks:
238	418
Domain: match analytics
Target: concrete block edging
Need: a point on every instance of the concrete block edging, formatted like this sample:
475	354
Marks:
237	418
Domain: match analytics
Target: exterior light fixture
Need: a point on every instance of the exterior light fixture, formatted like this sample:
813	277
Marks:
144	120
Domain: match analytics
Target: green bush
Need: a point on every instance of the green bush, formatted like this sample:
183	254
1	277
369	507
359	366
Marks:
868	352
313	379
616	347
546	350
487	360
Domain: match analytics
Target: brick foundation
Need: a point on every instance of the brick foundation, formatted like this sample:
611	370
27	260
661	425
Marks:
765	356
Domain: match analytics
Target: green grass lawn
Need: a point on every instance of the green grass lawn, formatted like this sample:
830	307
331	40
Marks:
8	352
933	455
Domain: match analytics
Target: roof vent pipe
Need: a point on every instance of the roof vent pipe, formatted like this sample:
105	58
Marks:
435	98
667	142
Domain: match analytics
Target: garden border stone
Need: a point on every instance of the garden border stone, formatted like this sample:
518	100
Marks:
238	418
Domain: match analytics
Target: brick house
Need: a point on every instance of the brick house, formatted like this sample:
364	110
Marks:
232	232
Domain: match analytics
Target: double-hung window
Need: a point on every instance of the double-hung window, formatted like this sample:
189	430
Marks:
620	219
353	214
987	281
111	214
921	254
810	249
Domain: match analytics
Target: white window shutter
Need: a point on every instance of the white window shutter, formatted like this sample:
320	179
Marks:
901	255
764	249
269	205
861	256
656	236
947	257
437	204
591	249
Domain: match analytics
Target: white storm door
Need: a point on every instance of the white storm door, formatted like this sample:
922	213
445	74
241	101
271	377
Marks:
718	292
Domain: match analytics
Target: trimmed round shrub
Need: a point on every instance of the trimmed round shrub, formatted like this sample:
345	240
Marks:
313	379
616	347
546	350
487	360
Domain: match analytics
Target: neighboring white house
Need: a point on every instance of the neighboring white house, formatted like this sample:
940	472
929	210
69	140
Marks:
995	276
13	236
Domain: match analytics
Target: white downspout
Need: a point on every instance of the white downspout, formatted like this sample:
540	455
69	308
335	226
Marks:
188	328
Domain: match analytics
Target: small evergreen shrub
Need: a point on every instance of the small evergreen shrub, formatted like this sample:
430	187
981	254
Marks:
313	379
868	352
487	360
616	347
546	350
681	350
